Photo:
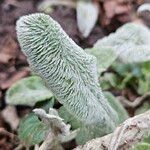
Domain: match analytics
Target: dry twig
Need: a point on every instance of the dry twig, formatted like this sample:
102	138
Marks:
124	137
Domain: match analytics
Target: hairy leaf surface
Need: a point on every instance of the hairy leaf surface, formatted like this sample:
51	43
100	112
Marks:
131	43
32	130
28	91
69	72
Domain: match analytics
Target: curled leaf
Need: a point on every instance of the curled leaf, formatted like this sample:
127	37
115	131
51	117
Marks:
67	69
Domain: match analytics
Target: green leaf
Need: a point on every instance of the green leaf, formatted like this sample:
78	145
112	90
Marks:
28	91
105	57
142	146
116	105
130	43
85	134
143	108
68	118
147	139
32	130
144	82
46	104
108	80
124	69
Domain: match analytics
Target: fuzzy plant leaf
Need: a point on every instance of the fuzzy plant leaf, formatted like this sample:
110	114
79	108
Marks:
32	130
87	14
105	57
142	146
70	73
136	76
130	43
108	80
46	104
84	133
144	81
68	118
143	108
28	91
122	113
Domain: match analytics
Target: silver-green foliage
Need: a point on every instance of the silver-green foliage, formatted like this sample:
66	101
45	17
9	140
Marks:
27	91
32	130
105	57
114	102
84	133
70	73
142	146
130	44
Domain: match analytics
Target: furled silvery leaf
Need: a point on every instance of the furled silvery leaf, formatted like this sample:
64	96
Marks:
28	91
87	14
130	42
69	71
84	133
